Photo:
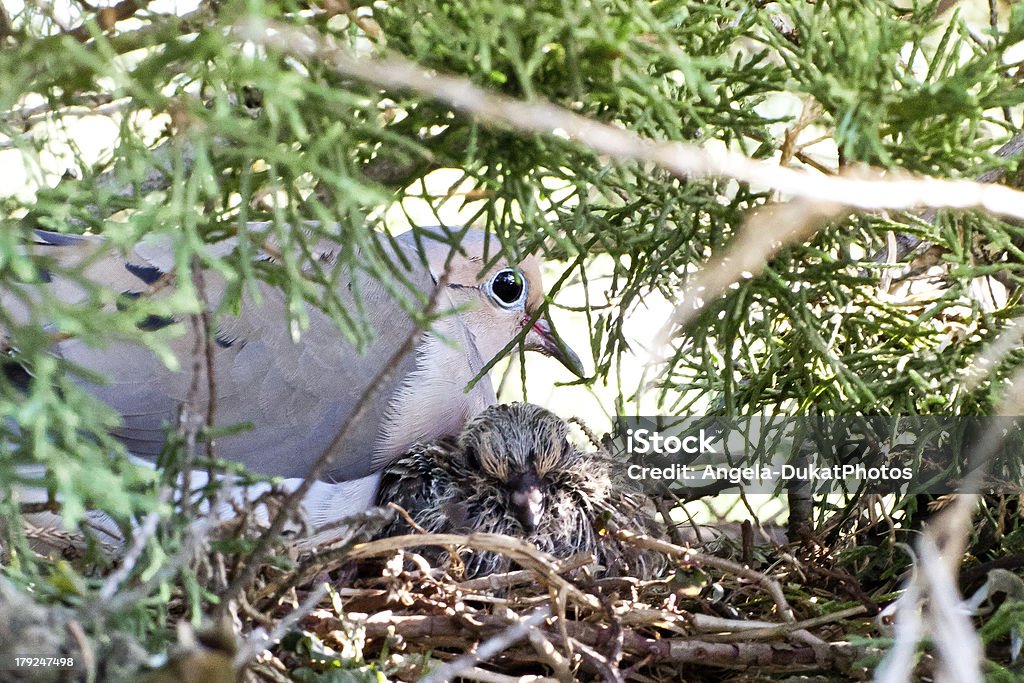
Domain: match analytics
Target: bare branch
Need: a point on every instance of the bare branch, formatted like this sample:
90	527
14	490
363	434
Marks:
690	556
142	536
740	630
873	191
494	646
521	551
106	17
766	231
686	650
257	643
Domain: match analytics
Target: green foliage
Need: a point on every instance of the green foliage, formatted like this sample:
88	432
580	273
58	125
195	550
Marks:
319	663
211	134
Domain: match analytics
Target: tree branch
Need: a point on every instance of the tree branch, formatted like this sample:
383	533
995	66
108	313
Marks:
871	190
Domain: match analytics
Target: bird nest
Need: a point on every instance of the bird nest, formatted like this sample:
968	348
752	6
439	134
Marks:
347	605
379	608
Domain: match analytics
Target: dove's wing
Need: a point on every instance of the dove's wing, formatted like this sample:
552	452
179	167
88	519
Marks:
296	395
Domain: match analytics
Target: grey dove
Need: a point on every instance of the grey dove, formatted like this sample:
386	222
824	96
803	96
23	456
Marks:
513	470
298	392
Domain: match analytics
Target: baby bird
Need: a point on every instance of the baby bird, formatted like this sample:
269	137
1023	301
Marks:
512	470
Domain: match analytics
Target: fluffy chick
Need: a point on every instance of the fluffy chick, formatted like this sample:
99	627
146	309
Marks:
514	471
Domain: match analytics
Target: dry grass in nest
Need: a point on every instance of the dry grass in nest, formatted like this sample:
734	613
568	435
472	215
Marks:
390	612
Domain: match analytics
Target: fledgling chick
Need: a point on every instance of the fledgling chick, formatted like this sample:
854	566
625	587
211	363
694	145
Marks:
513	471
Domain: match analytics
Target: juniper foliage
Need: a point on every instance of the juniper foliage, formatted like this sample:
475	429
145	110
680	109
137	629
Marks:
210	132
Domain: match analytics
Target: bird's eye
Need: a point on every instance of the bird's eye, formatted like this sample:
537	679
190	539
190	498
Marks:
508	287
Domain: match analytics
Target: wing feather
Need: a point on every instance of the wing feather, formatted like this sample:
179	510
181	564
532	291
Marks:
296	395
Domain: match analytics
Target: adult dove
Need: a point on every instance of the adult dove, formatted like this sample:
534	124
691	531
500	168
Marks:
297	391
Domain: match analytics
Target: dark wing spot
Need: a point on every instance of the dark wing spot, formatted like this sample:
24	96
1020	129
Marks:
148	274
252	97
57	239
44	274
152	323
224	341
124	300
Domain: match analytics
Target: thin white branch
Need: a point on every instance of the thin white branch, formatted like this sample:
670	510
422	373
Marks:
898	665
959	652
766	231
869	191
259	641
142	535
494	646
821	197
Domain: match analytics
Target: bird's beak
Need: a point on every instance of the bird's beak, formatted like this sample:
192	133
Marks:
528	504
542	338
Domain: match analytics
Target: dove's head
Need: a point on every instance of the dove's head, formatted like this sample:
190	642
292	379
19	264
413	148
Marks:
523	451
498	301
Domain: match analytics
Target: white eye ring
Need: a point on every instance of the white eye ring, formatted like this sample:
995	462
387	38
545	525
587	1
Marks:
507	288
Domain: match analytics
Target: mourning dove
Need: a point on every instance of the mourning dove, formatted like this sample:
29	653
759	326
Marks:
514	471
298	392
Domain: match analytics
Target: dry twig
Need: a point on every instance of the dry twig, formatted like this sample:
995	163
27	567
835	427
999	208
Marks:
495	645
519	550
694	557
879	191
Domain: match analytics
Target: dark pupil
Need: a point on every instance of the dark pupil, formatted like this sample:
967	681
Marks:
508	286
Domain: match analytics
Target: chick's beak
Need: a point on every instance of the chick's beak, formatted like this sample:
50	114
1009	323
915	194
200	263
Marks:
528	504
542	338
